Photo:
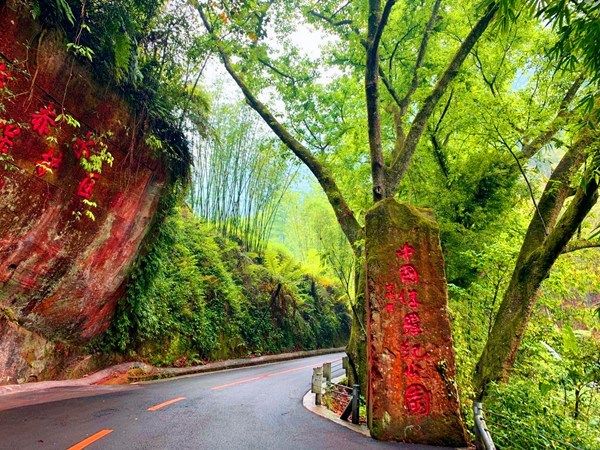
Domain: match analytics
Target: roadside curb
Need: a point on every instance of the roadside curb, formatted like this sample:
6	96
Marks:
153	373
88	380
170	372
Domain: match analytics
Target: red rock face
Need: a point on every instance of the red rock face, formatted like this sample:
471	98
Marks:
412	395
60	278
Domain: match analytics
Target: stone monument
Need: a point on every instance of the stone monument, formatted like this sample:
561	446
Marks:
412	395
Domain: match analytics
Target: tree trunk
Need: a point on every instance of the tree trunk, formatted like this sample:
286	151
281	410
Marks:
533	265
357	344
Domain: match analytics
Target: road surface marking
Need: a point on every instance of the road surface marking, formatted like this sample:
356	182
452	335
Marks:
167	403
90	440
260	377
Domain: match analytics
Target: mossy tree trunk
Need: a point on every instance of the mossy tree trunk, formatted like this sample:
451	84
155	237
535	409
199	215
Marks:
546	238
357	344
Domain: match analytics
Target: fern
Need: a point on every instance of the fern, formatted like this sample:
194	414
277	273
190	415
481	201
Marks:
122	53
64	8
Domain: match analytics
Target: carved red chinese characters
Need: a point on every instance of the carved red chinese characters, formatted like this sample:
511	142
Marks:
409	399
408	274
417	399
406	252
411	324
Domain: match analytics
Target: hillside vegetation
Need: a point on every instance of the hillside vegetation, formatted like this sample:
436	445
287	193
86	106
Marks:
195	296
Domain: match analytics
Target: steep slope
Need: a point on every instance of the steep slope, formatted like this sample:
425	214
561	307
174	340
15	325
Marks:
61	273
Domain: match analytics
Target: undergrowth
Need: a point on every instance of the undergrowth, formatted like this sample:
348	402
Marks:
195	296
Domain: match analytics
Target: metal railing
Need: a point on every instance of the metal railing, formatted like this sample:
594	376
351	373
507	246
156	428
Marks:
321	379
481	429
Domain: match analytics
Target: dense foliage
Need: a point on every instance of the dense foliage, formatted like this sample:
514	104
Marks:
197	296
142	48
552	398
478	116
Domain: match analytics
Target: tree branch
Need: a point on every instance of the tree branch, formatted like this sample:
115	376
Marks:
403	104
389	87
535	260
279	72
557	190
479	65
532	147
377	23
580	244
397	46
531	194
585	198
344	214
385	15
438	151
330	20
402	161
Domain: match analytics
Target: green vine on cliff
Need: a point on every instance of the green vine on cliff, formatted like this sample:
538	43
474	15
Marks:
93	154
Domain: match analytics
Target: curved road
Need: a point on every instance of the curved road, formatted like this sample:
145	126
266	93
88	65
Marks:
251	408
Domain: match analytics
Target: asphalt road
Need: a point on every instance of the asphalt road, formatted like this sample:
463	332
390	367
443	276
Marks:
251	408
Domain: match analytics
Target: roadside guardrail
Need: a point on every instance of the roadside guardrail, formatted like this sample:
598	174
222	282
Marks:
322	379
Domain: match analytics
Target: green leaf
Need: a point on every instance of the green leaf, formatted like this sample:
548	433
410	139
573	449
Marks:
569	339
35	10
122	52
64	7
544	387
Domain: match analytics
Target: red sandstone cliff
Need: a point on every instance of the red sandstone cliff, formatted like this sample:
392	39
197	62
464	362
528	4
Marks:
60	278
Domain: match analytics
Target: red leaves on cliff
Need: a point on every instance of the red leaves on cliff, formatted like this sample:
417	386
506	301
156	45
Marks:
51	160
8	132
5	145
11	130
43	121
4	76
47	123
83	147
86	186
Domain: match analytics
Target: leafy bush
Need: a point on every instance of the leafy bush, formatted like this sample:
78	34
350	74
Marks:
194	295
551	398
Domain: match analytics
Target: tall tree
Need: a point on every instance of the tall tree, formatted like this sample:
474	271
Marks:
410	59
236	29
556	220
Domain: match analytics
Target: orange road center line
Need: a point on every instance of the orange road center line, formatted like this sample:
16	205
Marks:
90	440
260	377
167	403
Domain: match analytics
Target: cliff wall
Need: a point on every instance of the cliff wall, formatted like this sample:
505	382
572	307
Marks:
62	272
